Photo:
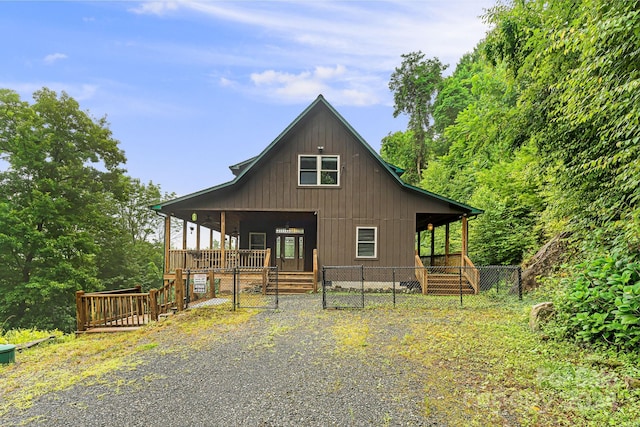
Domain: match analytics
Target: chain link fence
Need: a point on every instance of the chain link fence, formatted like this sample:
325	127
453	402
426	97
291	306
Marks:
237	287
361	287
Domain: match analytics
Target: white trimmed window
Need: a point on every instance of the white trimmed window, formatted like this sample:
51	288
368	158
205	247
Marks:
366	242
257	241
318	170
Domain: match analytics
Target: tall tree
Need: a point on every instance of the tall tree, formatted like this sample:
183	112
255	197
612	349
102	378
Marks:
414	85
62	168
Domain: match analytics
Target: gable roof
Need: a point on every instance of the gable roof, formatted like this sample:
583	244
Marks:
241	169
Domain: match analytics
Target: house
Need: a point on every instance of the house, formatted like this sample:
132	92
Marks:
317	195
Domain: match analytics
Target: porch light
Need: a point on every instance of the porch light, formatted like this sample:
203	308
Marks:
194	217
430	227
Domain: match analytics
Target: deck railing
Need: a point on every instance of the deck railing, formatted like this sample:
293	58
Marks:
450	260
188	259
120	308
471	273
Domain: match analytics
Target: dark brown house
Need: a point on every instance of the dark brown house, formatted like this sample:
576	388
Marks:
317	195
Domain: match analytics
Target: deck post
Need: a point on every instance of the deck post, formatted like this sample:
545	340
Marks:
433	245
179	290
184	234
446	244
139	308
167	242
465	236
197	237
81	314
153	304
223	240
212	284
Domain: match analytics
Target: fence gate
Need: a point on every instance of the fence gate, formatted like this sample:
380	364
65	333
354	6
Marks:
255	288
343	287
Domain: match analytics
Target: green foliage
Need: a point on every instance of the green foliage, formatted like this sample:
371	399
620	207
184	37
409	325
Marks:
602	303
69	217
414	85
22	336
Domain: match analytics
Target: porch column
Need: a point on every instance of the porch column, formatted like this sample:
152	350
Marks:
184	234
197	237
167	242
465	236
211	238
223	240
418	243
446	244
433	244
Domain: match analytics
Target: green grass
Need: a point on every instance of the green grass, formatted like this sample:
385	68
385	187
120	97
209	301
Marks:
479	364
90	358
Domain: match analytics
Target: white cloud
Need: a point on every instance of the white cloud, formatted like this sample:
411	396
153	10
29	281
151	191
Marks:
54	57
80	91
341	85
365	38
155	8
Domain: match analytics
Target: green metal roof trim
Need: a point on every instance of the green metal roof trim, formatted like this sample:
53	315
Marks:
393	170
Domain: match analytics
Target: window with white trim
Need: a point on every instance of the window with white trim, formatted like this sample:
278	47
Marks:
257	241
366	242
318	170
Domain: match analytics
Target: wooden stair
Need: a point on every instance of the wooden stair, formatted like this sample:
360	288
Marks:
292	282
448	284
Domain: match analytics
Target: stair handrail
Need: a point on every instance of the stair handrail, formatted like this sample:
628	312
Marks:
470	271
421	274
315	271
265	270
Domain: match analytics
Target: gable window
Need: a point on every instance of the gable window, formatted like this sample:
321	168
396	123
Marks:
257	241
318	170
366	242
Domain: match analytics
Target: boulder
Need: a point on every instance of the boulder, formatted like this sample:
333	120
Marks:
540	313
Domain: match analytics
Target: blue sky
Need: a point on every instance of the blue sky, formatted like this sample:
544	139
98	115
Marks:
191	87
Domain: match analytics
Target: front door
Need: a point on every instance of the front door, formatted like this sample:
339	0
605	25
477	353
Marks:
290	252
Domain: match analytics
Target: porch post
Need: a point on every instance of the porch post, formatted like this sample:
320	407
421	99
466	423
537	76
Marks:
211	238
419	233
223	239
184	234
433	244
465	235
446	244
197	237
167	242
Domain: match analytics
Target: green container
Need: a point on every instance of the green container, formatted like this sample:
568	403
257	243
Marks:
7	353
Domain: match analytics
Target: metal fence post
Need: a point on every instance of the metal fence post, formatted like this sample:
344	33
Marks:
520	283
393	289
324	289
187	286
235	288
460	283
362	275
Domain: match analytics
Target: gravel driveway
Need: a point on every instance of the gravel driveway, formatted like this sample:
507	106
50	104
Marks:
282	368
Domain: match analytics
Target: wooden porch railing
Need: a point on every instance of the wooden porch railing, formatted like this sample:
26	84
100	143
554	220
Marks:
471	273
422	275
451	260
315	271
213	259
120	308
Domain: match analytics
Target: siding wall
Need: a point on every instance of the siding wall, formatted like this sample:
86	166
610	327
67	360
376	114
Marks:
367	195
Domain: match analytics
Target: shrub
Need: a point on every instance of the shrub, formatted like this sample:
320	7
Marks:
601	304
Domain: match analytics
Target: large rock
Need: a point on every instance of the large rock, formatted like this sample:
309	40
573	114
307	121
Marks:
545	261
540	313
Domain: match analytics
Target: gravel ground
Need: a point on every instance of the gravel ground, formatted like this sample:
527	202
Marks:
282	368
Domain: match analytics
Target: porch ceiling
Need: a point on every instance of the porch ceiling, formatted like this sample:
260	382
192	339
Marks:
424	219
212	218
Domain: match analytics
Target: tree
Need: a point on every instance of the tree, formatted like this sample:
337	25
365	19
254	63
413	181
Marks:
415	84
62	169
